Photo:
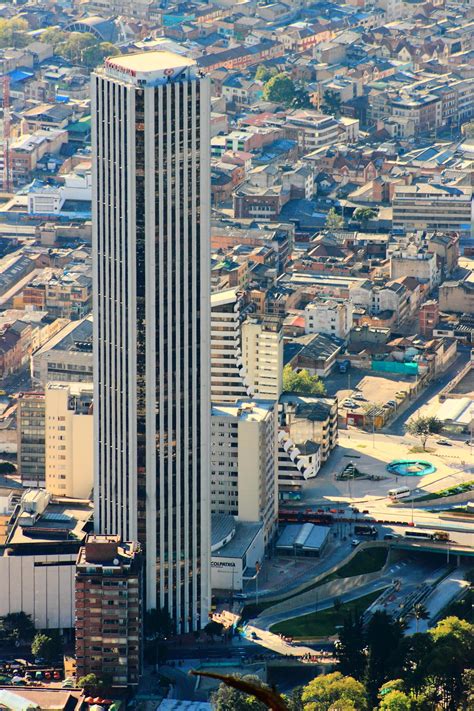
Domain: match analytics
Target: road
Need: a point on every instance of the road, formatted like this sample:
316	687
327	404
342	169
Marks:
447	590
413	572
397	425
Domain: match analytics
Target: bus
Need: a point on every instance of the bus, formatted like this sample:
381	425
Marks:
428	535
399	493
369	531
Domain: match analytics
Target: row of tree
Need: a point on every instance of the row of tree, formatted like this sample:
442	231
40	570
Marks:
82	48
378	668
13	33
17	628
280	88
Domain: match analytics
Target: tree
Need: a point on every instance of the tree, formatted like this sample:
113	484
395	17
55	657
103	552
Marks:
420	613
280	89
45	646
158	624
81	47
364	214
302	382
423	427
264	73
54	36
18	626
414	657
325	692
453	653
301	99
13	33
334	221
95	54
331	102
349	648
214	629
383	637
92	683
228	698
395	701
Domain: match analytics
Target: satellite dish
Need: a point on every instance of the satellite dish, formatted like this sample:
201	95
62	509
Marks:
116	561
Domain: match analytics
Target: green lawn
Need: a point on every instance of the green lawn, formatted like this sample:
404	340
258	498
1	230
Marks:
324	622
365	561
452	491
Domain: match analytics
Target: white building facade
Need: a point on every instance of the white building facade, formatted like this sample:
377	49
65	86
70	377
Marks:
334	318
151	115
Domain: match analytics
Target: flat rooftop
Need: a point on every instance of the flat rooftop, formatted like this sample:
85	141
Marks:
154	61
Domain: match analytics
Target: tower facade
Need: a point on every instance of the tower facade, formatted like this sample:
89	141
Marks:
151	321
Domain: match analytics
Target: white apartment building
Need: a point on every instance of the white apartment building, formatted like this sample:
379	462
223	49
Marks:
262	356
69	438
328	316
314	129
244	463
228	381
151	242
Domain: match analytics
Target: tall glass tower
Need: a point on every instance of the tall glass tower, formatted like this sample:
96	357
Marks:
151	217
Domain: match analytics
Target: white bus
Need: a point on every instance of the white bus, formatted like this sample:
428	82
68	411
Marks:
399	493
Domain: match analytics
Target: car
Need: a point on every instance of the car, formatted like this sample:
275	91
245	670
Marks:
354	509
355	542
68	684
254	635
366	511
350	404
240	596
358	396
444	442
392	403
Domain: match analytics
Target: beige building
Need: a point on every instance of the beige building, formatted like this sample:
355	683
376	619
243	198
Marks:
244	463
262	356
69	439
457	296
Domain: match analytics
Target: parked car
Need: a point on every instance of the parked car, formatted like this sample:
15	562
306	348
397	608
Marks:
355	542
358	396
444	442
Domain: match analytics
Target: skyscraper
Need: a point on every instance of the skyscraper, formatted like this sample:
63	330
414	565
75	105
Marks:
151	319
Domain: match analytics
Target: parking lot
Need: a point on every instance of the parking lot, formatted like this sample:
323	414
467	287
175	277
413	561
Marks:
364	388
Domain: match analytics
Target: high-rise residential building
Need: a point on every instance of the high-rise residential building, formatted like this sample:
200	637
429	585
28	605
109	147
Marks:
30	426
151	212
108	609
262	355
228	381
69	437
244	462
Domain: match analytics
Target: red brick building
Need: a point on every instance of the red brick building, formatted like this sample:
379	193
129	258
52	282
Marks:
109	610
